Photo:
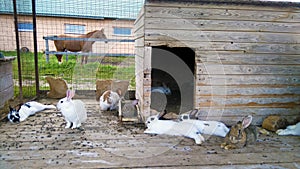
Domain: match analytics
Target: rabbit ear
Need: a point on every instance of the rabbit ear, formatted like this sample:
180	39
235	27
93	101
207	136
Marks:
247	121
18	107
70	94
10	108
193	113
164	85
161	114
119	91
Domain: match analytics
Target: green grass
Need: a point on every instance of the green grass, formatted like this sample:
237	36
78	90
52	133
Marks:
106	72
107	69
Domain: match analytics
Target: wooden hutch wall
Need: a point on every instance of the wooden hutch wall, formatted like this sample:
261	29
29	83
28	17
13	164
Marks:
247	56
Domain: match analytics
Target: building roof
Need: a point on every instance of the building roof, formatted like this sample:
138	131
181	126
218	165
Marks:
280	3
95	9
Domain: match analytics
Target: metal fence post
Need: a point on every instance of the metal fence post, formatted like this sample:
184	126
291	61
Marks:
18	50
36	59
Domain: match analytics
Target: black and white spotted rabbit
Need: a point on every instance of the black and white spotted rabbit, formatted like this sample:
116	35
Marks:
25	110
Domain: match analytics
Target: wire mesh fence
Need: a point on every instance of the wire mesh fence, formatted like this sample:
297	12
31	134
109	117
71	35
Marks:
85	59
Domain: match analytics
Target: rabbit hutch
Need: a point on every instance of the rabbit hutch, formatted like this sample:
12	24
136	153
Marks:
228	59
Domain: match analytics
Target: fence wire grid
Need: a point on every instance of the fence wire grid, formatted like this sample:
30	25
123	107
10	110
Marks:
109	57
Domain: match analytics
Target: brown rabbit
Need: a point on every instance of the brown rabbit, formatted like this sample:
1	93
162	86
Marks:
240	134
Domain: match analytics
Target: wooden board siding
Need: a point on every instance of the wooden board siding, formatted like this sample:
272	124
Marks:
6	81
142	65
247	56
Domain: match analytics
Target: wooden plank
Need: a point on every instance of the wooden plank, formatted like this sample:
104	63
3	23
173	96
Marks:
139	51
92	158
247	90
219	25
6	68
223	14
158	145
241	112
222	46
140	15
140	42
261	80
139	28
139	141
6	94
6	82
139	32
219	36
245	58
183	162
210	69
215	4
140	67
147	58
145	92
139	25
256	101
230	115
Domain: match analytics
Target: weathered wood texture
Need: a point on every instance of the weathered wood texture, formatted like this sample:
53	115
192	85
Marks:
6	80
41	141
142	66
247	56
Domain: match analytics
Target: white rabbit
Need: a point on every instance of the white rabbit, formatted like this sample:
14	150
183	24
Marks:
109	100
206	127
210	127
162	89
73	110
173	128
25	110
290	130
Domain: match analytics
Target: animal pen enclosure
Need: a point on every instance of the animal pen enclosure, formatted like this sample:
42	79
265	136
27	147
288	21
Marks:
225	58
37	24
245	57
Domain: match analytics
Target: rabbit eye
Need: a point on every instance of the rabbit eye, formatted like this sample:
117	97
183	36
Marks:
61	101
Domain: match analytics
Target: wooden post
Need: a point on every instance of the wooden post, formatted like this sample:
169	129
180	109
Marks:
147	82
